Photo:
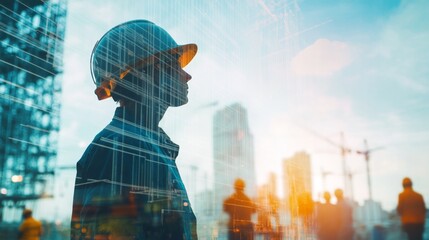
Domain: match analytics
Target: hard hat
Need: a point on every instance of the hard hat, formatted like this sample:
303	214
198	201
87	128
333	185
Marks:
406	182
27	212
338	193
326	195
239	184
132	45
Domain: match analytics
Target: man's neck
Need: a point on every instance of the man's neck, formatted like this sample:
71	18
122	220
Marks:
147	116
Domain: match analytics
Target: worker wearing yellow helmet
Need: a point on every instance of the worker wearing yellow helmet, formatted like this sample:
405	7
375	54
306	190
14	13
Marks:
412	210
127	184
240	208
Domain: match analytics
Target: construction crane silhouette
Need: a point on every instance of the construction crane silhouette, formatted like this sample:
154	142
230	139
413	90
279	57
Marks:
343	152
350	176
366	153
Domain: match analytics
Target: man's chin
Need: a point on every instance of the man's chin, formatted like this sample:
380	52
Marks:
179	102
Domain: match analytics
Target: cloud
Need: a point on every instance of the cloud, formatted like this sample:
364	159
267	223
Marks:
322	59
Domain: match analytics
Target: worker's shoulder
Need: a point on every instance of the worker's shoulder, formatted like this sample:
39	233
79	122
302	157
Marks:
410	194
419	195
32	222
229	199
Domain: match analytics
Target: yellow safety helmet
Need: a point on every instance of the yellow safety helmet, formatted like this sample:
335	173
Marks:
406	182
239	184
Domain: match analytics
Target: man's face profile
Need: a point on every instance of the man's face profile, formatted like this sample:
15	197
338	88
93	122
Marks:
162	80
173	80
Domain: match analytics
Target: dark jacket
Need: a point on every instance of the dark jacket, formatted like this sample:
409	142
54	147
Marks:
411	207
128	184
240	208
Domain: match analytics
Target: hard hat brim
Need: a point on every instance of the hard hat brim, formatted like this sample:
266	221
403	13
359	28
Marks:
187	52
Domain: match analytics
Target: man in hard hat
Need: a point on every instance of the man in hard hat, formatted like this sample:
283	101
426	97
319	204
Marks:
30	229
240	208
127	184
412	209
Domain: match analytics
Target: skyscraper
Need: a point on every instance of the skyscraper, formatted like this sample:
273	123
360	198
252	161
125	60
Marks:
31	47
297	179
233	154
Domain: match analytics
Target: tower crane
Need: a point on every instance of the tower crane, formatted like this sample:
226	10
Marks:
366	153
343	152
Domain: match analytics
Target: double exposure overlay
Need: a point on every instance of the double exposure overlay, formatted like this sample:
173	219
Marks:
238	120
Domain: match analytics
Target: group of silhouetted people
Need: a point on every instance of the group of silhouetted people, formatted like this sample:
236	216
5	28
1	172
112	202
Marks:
334	222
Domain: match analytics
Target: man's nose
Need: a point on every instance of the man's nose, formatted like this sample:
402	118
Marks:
185	76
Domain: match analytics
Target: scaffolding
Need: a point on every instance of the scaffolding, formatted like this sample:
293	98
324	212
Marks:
31	52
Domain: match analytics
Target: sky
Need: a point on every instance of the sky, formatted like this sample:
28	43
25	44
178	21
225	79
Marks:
302	69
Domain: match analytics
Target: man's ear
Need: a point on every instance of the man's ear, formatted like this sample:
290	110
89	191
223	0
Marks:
105	89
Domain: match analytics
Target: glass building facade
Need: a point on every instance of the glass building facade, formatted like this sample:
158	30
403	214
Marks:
31	49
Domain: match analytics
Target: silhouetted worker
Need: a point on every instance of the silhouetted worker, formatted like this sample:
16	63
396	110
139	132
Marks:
412	209
30	228
345	217
327	225
240	208
127	184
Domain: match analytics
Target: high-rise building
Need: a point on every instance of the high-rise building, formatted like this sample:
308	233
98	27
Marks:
233	155
31	47
297	179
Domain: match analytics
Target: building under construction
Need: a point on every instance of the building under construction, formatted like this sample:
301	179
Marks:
31	53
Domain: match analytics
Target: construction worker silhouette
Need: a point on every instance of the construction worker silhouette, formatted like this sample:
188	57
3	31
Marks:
344	213
30	228
127	184
412	209
240	208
